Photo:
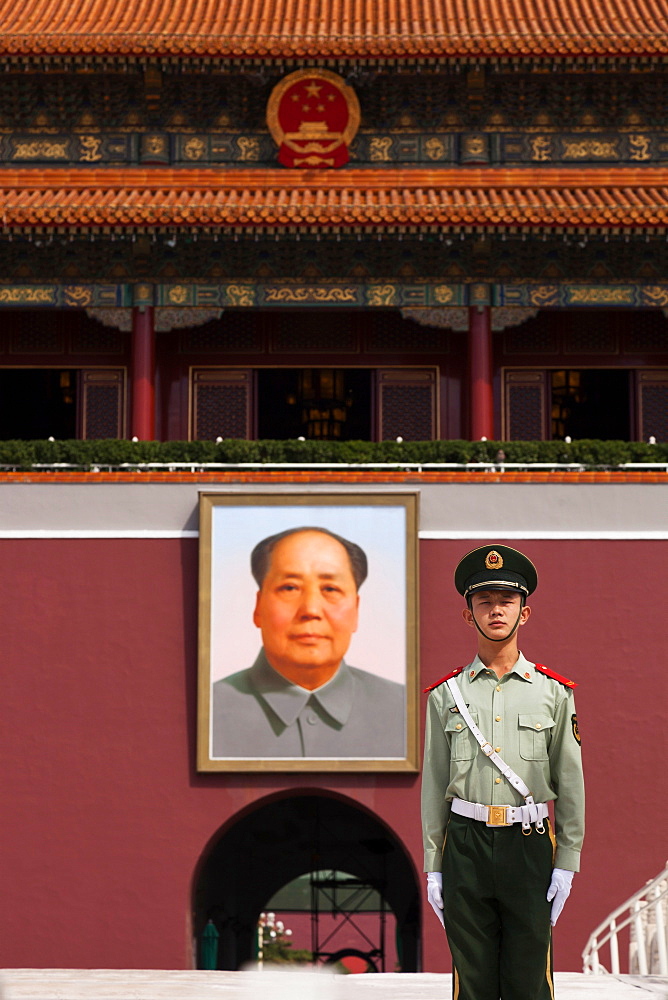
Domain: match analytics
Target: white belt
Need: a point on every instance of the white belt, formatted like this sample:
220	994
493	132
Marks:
503	815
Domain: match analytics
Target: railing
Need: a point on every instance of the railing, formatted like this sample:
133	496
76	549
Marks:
645	915
195	466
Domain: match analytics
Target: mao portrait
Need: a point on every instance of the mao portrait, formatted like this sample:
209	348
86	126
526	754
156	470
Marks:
285	682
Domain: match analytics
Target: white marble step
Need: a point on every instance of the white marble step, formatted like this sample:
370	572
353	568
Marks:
147	984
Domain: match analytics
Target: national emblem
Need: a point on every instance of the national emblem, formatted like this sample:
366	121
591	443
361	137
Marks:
313	116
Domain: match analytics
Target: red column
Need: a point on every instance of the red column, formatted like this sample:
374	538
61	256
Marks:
143	373
481	396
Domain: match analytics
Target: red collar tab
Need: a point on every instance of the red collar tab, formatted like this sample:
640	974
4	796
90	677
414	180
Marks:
555	677
453	673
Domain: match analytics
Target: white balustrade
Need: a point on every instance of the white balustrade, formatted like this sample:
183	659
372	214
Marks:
645	915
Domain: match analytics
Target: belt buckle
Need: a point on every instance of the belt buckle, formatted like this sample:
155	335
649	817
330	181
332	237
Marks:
497	816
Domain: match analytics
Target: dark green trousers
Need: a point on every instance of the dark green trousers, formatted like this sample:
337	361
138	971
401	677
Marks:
497	917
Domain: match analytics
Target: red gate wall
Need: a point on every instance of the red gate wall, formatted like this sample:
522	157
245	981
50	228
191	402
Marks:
105	817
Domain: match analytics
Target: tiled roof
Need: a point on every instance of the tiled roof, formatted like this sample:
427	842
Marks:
375	199
338	28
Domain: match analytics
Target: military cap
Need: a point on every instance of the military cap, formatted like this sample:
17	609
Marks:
495	567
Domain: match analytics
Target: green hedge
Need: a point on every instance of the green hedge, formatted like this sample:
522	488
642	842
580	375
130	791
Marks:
24	455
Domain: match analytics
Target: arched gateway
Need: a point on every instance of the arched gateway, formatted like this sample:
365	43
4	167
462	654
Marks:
263	848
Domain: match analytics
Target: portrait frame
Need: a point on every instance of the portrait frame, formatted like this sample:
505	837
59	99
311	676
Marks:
383	649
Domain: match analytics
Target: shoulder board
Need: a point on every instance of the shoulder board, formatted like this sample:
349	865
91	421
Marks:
555	677
453	673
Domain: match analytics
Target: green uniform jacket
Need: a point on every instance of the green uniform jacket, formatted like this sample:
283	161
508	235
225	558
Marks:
530	720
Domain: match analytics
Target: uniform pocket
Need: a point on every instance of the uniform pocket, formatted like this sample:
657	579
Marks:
462	743
535	735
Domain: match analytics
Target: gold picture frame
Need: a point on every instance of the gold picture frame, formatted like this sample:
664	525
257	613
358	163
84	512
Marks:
259	707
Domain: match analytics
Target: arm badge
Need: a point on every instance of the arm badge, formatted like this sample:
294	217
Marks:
576	731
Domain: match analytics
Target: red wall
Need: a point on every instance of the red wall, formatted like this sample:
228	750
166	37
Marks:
105	818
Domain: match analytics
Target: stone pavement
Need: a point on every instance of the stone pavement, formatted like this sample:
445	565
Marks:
134	984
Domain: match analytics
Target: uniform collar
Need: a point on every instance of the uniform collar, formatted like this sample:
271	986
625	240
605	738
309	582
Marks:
523	668
287	700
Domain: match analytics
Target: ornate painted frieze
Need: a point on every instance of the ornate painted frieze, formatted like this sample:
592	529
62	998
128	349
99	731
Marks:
548	296
503	317
79	147
59	296
447	117
294	294
165	318
582	147
368	148
439	304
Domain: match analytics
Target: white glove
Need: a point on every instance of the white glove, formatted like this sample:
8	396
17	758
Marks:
559	891
435	893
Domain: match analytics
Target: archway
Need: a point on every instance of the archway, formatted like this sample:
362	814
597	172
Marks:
262	849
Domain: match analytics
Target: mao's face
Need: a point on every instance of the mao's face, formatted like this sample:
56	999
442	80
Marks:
307	607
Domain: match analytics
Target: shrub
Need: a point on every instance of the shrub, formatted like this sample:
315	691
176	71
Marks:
25	455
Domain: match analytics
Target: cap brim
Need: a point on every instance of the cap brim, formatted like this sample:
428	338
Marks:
518	586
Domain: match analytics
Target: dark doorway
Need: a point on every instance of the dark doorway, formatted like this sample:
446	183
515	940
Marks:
283	838
37	403
328	404
591	403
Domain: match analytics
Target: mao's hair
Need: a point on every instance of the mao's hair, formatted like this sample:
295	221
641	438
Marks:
261	554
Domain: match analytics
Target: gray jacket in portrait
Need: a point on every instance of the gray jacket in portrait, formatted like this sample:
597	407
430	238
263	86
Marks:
258	713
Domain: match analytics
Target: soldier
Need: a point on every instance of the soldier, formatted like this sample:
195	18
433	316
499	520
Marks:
501	742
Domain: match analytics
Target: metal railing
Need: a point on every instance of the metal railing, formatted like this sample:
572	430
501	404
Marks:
645	915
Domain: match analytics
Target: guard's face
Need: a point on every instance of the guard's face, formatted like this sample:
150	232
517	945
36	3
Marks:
307	607
496	612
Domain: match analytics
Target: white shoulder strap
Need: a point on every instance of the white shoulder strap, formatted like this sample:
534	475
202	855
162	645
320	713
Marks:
486	746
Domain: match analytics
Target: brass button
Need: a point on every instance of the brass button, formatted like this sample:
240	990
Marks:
498	749
538	725
458	726
498	781
498	718
498	687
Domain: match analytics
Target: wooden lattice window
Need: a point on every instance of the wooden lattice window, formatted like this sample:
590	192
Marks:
525	399
102	403
222	403
653	404
407	404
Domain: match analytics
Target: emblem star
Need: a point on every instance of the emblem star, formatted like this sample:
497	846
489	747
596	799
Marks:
313	89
